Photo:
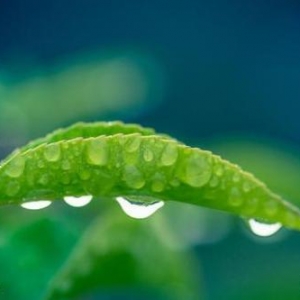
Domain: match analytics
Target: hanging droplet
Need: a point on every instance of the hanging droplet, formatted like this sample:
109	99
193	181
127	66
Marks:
139	210
78	201
36	205
263	229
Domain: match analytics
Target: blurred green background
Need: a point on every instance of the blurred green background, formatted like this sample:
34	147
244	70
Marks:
222	75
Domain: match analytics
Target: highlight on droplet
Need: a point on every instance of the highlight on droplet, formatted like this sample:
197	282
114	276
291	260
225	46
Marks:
36	205
139	210
263	229
78	201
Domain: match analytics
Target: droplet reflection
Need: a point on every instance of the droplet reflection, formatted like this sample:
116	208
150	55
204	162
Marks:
138	210
263	229
36	205
78	201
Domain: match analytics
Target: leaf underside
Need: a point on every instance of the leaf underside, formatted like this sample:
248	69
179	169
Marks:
110	159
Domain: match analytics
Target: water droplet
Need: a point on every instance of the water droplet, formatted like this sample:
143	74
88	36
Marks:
169	155
44	179
85	174
138	210
251	205
158	182
214	181
65	179
235	197
219	171
236	177
35	205
15	167
78	201
246	186
133	144
97	151
291	219
40	164
52	152
157	186
133	177
271	207
66	165
148	155
263	229
196	170
12	188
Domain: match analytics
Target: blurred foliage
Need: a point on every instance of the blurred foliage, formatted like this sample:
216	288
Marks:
116	83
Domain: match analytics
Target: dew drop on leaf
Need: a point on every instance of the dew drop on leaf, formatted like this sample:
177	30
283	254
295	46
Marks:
263	229
36	205
78	201
139	210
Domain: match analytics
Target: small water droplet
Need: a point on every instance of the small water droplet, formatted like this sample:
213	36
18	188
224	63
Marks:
52	152
157	186
219	171
169	155
148	155
44	179
36	205
236	177
40	164
15	167
263	229
138	210
235	197
12	188
65	179
85	174
78	201
271	207
246	186
251	205
133	144
97	152
291	219
66	165
214	182
133	177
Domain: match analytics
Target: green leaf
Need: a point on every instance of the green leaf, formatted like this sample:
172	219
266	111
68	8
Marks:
130	161
121	254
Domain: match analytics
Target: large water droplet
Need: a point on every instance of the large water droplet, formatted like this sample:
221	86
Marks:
196	170
78	201
139	210
133	144
263	229
52	152
133	177
35	205
169	155
15	167
97	152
